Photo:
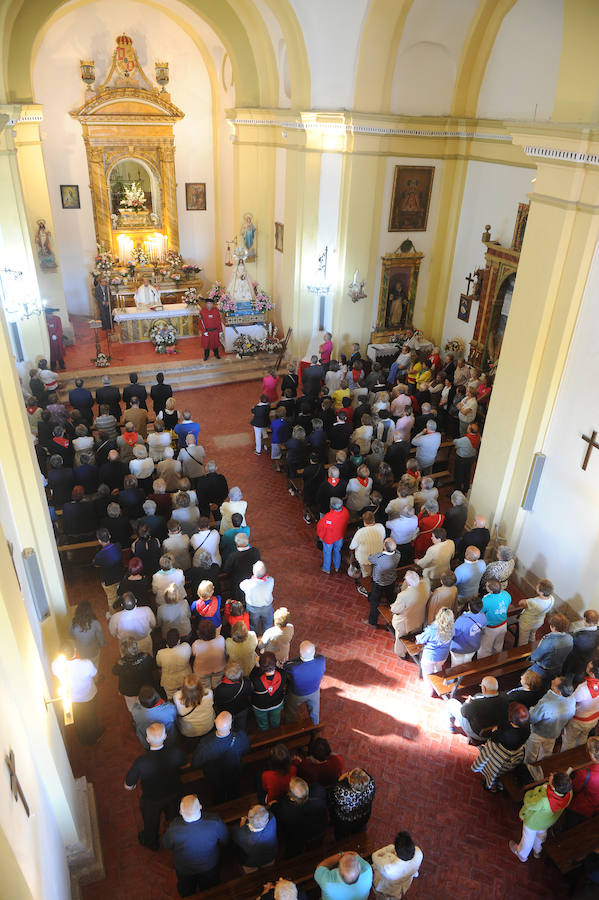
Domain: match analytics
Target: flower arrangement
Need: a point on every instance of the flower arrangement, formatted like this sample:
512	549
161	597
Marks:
190	270
222	298
271	342
244	345
176	277
104	261
173	259
163	336
134	198
455	345
116	281
262	301
190	297
140	257
102	361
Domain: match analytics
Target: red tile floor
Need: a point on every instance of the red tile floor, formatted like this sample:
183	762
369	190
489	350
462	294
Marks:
377	712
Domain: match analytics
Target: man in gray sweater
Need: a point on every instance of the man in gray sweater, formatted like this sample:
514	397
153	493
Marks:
547	721
384	576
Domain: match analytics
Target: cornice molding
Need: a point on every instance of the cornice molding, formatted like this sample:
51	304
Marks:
562	155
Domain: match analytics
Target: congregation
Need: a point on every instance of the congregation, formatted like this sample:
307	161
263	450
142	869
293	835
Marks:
205	648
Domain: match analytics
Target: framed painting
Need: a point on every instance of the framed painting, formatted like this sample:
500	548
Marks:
279	235
410	198
69	194
195	195
399	280
464	307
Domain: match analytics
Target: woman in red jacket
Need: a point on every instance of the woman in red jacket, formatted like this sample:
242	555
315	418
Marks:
429	518
585	783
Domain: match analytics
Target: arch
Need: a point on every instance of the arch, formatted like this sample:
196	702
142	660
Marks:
475	55
297	55
378	52
238	25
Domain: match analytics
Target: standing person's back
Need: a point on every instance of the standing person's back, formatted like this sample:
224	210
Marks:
395	866
196	840
219	754
344	876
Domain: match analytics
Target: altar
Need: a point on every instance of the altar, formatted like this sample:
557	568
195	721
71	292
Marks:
134	325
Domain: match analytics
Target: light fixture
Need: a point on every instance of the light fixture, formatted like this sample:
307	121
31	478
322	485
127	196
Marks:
11	293
88	72
61	671
321	285
355	288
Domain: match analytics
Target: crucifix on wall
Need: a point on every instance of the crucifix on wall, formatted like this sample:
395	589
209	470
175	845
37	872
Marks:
592	444
15	785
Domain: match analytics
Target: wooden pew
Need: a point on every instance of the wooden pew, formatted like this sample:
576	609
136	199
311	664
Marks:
576	758
468	674
299	869
292	734
233	810
568	848
84	545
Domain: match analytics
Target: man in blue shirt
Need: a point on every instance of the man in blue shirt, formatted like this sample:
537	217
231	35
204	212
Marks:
344	876
281	432
110	561
149	708
196	841
220	754
468	632
469	574
495	607
305	674
187	426
256	838
80	398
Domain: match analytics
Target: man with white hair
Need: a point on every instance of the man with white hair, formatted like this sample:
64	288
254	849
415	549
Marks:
158	772
427	444
305	674
169	469
191	458
480	712
455	517
427	491
282	890
258	596
239	564
344	876
331	530
409	608
219	754
177	544
256	839
127	441
196	840
478	536
384	576
212	490
301	819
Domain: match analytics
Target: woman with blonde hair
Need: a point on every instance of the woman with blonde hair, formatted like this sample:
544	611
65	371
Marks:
277	639
195	711
350	802
174	612
207	605
170	416
241	647
162	499
436	641
209	655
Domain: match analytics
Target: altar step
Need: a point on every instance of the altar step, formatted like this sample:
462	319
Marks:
184	375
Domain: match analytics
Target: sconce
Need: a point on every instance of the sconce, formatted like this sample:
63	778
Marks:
355	288
15	307
88	72
59	667
162	74
321	286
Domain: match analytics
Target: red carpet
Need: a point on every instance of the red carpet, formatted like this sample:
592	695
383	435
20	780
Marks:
377	712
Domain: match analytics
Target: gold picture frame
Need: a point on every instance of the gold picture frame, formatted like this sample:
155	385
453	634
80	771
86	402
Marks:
397	296
410	198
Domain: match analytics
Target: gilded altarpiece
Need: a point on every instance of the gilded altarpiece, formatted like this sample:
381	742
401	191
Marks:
128	121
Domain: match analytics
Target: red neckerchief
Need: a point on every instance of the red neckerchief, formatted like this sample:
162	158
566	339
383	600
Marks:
130	437
414	474
474	440
62	441
160	702
32	409
593	686
363	481
556	801
334	481
209	607
274	684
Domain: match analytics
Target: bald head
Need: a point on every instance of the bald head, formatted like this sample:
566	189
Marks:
223	724
480	522
489	685
307	651
349	868
190	808
113	456
155	735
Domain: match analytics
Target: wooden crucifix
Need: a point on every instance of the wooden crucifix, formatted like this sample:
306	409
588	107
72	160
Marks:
15	785
592	445
469	279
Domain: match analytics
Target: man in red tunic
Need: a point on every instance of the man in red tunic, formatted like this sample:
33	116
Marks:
211	327
55	334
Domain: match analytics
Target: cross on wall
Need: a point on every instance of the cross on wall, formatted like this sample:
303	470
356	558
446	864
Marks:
15	785
592	445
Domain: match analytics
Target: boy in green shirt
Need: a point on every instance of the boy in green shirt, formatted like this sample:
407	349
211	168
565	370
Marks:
542	807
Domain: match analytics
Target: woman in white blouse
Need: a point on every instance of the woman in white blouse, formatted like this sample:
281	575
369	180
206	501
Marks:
195	710
235	504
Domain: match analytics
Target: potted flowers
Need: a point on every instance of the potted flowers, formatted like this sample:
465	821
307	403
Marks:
190	297
163	336
244	345
271	342
262	303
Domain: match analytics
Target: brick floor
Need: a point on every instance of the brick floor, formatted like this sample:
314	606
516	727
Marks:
377	712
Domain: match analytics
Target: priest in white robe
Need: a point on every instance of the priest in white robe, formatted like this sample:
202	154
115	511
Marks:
147	297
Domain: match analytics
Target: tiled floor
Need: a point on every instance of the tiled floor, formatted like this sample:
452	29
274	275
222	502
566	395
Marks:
377	712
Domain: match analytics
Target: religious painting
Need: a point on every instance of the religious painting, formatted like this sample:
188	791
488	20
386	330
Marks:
520	226
43	242
69	194
464	307
195	195
411	197
248	237
279	234
399	279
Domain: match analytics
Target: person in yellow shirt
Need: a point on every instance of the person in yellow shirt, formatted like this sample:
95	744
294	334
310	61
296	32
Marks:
338	395
414	370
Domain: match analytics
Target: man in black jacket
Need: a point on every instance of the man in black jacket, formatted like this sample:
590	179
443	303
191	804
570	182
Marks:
160	393
113	471
109	396
339	435
240	563
312	378
234	694
80	398
334	486
211	490
135	390
219	754
302	818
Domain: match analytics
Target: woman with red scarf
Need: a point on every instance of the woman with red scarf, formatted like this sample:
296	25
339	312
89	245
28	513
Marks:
541	809
429	518
268	691
207	605
466	451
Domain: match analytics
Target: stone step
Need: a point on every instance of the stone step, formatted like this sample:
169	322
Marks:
180	375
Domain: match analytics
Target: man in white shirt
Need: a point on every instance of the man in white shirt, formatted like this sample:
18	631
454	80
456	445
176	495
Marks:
158	441
403	528
177	544
173	662
586	716
147	297
79	678
165	576
134	621
395	866
258	598
427	444
207	539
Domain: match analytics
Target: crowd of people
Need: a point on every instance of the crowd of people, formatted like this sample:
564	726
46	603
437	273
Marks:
205	651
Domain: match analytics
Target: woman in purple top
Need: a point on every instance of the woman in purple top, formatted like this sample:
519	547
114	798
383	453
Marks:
326	349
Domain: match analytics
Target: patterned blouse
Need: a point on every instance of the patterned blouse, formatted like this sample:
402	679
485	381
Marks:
348	804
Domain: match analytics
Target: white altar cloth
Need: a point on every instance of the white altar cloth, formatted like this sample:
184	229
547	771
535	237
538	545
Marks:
167	312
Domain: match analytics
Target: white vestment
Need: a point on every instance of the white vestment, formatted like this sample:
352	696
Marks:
146	296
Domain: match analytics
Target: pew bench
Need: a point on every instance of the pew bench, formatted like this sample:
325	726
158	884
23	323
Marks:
575	758
567	849
503	663
83	545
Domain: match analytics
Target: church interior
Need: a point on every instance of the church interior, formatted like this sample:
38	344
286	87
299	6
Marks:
416	177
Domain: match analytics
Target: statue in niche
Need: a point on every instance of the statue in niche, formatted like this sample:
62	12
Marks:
45	255
248	236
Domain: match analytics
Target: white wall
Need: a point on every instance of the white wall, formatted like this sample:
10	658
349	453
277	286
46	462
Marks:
89	32
521	74
428	56
389	241
560	537
281	167
491	196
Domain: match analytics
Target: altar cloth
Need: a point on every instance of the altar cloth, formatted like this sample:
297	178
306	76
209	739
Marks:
134	325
